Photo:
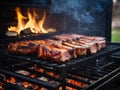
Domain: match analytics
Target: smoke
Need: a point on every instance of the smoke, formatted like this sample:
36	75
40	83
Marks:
74	8
80	10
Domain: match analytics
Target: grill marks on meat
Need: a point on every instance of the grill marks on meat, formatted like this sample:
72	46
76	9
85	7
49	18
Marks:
54	50
58	45
79	50
83	44
60	48
52	53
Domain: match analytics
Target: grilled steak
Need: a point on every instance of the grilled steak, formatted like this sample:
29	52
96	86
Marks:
23	47
52	53
68	37
59	45
91	43
60	48
80	50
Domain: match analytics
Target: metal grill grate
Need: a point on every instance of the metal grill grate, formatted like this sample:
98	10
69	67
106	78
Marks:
87	71
88	75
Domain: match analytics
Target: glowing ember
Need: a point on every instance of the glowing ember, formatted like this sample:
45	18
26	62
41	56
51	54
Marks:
80	84
26	84
32	24
40	70
12	80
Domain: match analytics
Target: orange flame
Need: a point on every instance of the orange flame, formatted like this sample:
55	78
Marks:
21	24
32	24
41	22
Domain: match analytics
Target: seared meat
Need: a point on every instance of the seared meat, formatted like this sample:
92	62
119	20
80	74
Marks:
24	47
59	45
91	43
60	48
68	37
80	50
52	53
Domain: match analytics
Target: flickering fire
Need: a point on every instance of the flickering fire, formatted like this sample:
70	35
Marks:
35	26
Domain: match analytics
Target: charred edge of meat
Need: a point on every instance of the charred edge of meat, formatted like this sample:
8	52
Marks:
79	50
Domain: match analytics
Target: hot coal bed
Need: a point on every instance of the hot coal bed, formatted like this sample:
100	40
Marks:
98	71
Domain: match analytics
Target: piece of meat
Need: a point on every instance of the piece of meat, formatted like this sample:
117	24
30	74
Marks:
23	47
95	43
61	48
92	47
80	50
101	42
67	37
52	53
59	45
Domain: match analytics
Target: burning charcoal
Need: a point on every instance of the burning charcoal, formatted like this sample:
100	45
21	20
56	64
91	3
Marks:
43	78
26	31
23	72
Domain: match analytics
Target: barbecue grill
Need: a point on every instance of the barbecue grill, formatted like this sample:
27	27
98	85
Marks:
99	71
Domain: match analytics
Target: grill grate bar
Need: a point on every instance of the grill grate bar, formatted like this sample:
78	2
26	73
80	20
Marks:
77	79
90	71
100	70
112	67
96	69
106	65
84	75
